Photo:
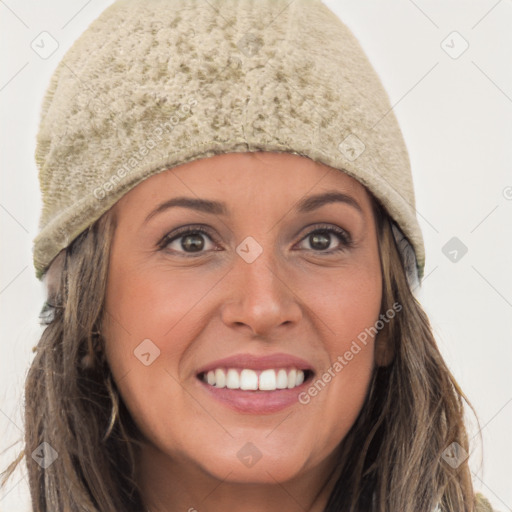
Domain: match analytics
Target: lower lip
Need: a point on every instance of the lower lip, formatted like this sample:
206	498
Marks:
255	402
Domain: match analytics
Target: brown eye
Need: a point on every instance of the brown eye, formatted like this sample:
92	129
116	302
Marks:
321	240
192	243
188	241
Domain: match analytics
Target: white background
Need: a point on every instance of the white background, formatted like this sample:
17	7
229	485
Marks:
456	116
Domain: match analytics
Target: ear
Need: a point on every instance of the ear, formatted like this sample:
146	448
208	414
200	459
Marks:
384	348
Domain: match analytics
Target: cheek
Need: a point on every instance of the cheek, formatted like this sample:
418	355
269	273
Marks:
142	312
344	302
346	310
152	303
149	330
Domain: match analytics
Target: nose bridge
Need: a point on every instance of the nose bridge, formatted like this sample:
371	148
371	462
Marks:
260	298
262	277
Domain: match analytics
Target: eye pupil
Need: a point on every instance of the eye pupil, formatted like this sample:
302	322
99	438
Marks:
320	241
195	242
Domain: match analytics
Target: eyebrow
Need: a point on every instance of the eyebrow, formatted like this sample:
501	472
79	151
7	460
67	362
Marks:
306	205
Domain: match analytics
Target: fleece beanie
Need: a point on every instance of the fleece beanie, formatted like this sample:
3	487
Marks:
154	84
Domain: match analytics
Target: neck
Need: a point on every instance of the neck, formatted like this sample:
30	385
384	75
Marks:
171	485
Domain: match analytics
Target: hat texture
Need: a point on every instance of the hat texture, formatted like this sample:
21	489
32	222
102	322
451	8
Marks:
155	84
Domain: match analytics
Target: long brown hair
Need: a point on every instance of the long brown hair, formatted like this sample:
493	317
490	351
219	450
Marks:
414	411
391	459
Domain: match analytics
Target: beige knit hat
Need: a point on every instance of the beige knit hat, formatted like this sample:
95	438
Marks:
154	84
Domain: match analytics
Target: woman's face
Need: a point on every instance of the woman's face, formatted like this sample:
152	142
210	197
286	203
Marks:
282	281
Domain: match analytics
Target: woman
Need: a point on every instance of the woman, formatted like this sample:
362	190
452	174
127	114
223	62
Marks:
230	246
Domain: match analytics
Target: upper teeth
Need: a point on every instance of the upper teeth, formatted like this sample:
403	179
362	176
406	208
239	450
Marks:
266	380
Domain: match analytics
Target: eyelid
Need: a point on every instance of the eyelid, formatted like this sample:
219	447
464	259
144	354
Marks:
328	227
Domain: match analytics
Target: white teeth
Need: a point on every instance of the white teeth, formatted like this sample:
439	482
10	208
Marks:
232	379
220	379
246	379
267	380
282	379
291	378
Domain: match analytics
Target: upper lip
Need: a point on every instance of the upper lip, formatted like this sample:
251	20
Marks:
253	362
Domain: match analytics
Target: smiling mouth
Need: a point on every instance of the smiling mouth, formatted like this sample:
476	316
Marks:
255	380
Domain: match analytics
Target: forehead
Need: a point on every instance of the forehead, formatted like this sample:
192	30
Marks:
236	177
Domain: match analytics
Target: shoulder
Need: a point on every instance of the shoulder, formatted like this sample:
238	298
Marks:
482	504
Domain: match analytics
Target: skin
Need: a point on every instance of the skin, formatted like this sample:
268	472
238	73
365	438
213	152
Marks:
294	298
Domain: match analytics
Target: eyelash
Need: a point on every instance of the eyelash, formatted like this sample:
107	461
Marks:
343	236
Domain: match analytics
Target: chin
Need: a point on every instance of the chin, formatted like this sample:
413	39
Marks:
267	470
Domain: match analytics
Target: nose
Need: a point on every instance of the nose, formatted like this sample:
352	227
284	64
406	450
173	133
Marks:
260	297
